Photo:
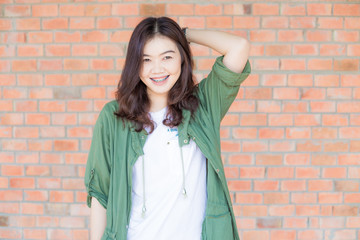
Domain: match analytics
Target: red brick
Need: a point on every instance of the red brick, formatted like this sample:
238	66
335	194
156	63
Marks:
101	64
66	145
178	9
258	93
352	23
266	185
252	172
254	211
346	36
320	64
22	183
324	133
249	198
307	172
347	186
122	9
345	210
278	50
280	172
307	120
72	10
349	132
352	197
253	120
308	146
293	185
109	23
11	119
326	80
57	50
61	37
44	10
275	22
56	23
159	9
331	23
268	223
265	9
311	234
230	146
325	198
270	133
98	10
292	9
305	49
82	23
297	133
302	22
236	185
322	106
262	36
280	120
24	65
323	159
319	9
27	157
24	24
219	22
245	22
28	51
26	132
347	9
276	198
297	159
286	93
320	185
17	11
290	36
346	65
242	106
242	159
307	210
293	64
209	9
283	234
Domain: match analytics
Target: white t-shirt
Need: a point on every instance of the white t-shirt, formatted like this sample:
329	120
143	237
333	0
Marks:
169	215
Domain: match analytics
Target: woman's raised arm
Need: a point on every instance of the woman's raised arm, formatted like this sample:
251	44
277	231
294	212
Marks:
234	48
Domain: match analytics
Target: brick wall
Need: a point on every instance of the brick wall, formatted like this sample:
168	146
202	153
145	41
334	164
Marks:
291	141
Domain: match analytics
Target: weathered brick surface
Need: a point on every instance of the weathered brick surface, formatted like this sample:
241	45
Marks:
291	140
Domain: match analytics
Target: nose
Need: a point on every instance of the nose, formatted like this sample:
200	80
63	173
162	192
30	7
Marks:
157	67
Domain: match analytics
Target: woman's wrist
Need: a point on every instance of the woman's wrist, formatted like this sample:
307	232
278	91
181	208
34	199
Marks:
185	32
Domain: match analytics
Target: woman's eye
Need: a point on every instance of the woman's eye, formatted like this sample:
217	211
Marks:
146	60
167	57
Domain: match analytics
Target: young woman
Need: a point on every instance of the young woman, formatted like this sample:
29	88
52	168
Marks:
154	169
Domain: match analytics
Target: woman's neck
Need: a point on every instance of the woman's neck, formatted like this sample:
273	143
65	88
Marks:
157	103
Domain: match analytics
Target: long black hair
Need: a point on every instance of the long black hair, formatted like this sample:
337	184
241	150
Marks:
131	93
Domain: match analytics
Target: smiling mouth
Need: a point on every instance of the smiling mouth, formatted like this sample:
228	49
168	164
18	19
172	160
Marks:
160	79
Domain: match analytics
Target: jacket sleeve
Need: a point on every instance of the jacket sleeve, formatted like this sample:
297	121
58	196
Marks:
97	174
218	91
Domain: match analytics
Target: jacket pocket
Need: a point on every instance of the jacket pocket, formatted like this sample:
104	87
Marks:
218	222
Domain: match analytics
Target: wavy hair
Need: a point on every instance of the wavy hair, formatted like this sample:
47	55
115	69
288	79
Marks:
131	93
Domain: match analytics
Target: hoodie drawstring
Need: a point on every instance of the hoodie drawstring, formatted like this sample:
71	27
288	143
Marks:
143	179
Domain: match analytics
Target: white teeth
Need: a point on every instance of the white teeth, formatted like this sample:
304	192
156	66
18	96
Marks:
160	80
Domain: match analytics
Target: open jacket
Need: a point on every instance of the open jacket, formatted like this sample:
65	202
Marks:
116	146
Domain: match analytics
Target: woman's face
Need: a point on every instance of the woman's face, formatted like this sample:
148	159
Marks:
161	66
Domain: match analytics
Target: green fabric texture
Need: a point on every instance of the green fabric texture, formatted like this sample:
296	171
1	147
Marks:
116	146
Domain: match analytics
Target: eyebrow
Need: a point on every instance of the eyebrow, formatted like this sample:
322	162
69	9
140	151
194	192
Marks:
169	51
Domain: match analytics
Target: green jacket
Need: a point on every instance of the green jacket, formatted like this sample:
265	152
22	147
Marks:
116	146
